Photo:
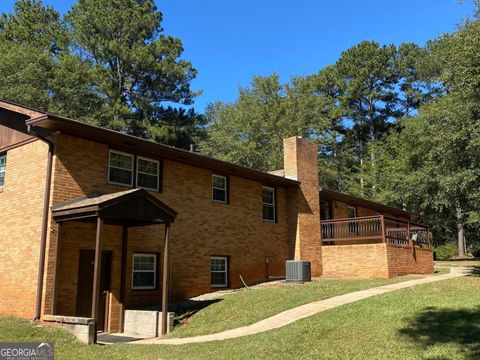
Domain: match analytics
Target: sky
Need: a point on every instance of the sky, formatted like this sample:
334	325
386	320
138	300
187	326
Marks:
229	42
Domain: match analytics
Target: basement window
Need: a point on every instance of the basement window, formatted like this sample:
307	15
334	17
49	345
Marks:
219	189
120	168
3	169
144	274
268	199
219	271
148	173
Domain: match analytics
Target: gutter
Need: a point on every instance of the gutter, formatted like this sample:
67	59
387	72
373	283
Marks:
46	210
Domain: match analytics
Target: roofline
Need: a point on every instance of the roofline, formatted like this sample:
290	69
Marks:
55	123
28	113
335	195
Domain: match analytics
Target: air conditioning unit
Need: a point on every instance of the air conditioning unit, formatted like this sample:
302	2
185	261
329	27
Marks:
298	271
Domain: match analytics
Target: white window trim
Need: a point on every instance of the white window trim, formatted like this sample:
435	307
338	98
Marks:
110	166
272	204
139	172
226	188
4	156
217	271
154	271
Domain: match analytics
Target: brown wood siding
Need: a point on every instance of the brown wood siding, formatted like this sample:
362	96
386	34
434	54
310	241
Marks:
339	211
12	128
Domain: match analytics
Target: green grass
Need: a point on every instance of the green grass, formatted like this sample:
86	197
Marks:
457	263
436	321
246	307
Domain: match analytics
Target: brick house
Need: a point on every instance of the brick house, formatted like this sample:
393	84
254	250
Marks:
92	220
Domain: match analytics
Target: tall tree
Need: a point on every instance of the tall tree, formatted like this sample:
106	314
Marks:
369	96
137	67
35	25
251	130
37	68
433	164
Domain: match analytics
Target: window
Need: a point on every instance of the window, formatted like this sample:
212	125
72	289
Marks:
352	212
268	194
219	271
120	169
352	226
325	210
219	188
3	169
144	274
148	171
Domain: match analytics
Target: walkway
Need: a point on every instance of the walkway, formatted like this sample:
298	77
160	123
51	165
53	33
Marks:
289	316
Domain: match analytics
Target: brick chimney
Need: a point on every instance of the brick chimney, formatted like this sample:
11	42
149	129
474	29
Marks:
300	163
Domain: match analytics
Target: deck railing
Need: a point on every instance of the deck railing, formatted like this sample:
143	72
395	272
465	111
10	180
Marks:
374	229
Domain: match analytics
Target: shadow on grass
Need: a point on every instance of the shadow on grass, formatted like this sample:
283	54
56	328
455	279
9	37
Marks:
476	271
434	326
185	309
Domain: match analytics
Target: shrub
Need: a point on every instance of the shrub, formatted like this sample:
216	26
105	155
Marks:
445	251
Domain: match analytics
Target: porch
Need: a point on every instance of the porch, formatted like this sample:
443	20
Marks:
373	230
97	237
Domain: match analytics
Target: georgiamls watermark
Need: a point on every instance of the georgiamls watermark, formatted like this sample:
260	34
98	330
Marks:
26	351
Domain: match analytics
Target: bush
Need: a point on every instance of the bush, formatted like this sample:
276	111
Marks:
445	251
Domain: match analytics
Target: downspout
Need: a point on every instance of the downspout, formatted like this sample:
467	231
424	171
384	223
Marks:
43	240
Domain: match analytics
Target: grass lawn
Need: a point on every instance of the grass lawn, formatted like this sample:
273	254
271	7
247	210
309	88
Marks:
434	321
242	308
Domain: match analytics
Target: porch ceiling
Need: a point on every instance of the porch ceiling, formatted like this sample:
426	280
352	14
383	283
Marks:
134	207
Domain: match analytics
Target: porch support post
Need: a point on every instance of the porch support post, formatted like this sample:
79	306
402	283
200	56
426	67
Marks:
384	231
123	274
97	269
57	261
166	276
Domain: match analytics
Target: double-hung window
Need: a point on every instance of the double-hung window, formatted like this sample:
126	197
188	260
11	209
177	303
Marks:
219	188
121	171
144	274
3	169
120	168
219	271
148	173
268	198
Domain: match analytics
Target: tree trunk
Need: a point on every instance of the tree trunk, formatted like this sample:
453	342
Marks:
460	230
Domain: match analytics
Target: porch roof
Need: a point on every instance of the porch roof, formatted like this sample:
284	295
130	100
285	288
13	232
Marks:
132	207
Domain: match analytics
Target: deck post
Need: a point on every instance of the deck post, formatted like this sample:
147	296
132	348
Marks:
96	271
384	236
166	275
409	238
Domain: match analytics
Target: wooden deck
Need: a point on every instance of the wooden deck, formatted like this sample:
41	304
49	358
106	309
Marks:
375	229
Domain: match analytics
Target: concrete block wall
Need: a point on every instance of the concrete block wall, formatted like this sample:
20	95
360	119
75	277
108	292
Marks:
146	323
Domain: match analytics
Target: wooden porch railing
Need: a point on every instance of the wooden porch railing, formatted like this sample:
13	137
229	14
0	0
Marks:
374	229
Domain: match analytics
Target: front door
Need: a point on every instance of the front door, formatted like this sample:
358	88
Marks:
86	264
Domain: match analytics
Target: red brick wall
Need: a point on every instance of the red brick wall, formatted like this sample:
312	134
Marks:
355	261
300	162
402	261
375	261
203	228
21	208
